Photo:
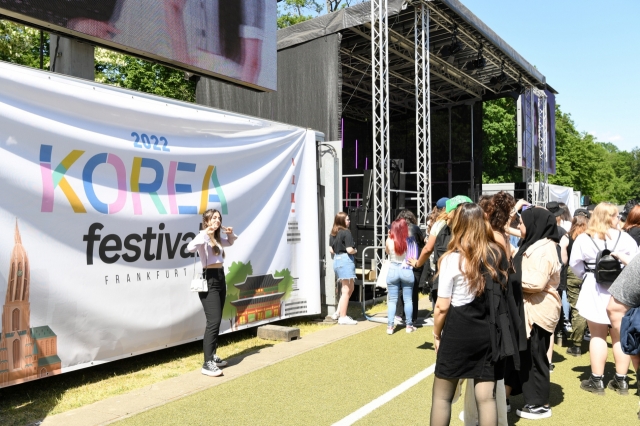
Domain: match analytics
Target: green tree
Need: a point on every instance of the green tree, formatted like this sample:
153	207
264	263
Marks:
286	285
21	45
500	144
295	11
134	73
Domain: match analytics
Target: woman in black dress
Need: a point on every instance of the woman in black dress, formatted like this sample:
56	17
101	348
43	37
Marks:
472	263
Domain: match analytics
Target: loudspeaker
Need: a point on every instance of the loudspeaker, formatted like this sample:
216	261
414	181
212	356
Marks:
520	190
365	219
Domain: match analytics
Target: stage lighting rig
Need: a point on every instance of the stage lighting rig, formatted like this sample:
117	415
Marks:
519	87
454	47
477	63
497	81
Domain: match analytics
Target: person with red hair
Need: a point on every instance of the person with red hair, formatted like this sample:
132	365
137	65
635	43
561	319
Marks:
400	247
632	224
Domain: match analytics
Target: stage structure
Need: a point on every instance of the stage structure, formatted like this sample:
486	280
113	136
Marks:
401	84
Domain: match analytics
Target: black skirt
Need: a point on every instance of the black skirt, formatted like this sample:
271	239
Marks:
465	348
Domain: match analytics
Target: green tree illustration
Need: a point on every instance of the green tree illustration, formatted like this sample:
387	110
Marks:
238	272
286	285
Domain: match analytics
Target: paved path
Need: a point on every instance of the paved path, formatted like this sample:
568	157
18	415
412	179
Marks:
123	406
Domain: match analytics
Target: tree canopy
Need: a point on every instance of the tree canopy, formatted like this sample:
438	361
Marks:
598	169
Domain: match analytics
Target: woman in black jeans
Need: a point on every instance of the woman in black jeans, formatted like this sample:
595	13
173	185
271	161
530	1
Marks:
210	246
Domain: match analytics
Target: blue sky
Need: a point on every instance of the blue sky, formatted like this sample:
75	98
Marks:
587	50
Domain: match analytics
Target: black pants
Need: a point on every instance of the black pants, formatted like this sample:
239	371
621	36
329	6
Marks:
414	297
534	368
213	302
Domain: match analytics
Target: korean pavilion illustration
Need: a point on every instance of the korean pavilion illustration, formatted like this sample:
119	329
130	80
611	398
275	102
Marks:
26	353
259	299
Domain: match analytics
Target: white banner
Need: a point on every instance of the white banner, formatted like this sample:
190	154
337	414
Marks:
103	188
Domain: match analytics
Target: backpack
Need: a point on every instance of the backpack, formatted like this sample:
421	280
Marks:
501	329
606	267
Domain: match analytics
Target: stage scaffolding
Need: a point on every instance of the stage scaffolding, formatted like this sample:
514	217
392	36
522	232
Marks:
380	72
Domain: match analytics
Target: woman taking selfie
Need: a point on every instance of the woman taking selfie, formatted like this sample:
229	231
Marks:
210	246
343	248
472	264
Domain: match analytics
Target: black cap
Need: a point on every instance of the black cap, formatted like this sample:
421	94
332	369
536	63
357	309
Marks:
582	212
555	208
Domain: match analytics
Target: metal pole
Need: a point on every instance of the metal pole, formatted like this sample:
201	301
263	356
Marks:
449	165
41	50
423	111
473	180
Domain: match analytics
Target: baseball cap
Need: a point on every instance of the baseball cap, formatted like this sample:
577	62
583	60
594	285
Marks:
454	202
442	202
555	208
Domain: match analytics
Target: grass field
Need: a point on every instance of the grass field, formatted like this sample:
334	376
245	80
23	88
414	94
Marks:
325	385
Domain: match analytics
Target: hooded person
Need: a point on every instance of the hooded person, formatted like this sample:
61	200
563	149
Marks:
533	287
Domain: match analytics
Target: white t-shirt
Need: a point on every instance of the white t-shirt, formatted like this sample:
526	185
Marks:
452	283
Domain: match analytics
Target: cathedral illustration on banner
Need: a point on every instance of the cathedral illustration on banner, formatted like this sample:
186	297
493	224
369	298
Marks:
26	353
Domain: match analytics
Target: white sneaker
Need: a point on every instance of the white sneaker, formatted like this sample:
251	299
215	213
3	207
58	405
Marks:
390	330
411	329
347	320
335	315
210	368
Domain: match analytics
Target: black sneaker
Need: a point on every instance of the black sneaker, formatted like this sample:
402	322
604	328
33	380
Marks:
534	412
508	406
592	385
574	351
621	387
552	366
219	361
210	368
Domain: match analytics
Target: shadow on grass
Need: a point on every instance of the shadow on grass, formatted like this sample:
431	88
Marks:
29	402
426	345
556	397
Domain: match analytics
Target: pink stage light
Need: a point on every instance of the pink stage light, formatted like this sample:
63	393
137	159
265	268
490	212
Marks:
366	163
356	154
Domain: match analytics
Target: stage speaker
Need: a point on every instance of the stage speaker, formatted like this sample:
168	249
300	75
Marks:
365	219
585	200
520	190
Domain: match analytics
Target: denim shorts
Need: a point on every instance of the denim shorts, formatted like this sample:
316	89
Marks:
344	266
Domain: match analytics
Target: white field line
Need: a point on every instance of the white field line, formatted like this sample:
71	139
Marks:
383	399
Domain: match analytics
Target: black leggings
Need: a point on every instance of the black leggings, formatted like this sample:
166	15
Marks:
213	302
443	393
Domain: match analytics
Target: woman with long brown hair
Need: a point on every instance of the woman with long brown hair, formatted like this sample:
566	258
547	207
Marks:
472	264
601	234
578	323
210	246
342	247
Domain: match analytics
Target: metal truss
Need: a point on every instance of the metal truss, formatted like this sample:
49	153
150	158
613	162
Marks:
529	170
380	107
542	147
423	111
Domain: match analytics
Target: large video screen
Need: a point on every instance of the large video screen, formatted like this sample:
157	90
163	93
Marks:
230	39
525	155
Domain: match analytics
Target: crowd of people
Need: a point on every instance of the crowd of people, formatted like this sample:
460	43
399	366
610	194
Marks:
504	278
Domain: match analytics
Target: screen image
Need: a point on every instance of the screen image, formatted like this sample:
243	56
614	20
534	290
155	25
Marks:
230	39
524	152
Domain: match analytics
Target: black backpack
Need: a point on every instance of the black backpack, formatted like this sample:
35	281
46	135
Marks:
606	267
